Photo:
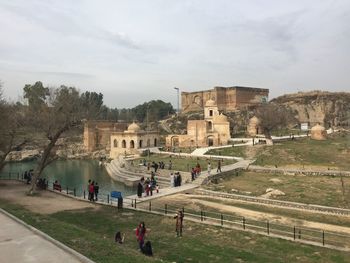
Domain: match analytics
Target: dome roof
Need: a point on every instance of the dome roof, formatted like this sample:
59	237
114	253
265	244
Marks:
220	118
210	103
318	127
254	120
133	127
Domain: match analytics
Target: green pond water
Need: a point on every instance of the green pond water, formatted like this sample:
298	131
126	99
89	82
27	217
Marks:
74	174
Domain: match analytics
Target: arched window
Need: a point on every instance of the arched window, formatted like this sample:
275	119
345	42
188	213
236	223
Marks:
115	143
210	112
132	144
123	144
210	125
155	142
140	144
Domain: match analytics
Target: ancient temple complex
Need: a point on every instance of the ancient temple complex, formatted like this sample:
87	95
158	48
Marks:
214	130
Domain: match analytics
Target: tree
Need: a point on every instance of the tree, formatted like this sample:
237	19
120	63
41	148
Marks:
274	117
11	121
36	94
92	103
63	109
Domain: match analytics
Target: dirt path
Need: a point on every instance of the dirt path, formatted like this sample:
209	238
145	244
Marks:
44	203
196	203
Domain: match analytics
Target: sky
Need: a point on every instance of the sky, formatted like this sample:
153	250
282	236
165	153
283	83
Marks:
134	51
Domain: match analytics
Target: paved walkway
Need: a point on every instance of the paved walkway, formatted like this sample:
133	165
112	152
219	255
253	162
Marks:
19	244
185	187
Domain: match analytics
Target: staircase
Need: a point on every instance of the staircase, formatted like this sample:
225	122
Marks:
120	170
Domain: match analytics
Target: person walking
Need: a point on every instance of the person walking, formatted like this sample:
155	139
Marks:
219	167
96	189
172	180
209	168
140	235
140	187
91	191
179	223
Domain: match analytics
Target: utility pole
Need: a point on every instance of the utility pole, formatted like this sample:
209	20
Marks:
178	107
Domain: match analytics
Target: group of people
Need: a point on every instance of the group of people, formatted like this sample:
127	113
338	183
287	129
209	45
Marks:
93	189
57	186
175	179
196	171
28	176
141	231
147	186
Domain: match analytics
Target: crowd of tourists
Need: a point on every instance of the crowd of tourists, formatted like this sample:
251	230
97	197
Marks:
148	185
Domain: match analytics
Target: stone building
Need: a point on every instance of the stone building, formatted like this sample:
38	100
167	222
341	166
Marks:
131	140
254	128
97	134
118	138
214	130
227	98
318	132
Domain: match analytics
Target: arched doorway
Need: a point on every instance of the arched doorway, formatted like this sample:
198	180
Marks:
155	142
123	144
175	141
115	143
210	140
140	144
132	144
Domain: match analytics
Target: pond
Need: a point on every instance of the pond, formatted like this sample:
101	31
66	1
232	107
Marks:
74	174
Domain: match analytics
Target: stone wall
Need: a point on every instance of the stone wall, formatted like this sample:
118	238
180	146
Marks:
227	98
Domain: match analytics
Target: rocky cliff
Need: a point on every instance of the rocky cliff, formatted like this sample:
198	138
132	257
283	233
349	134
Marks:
326	108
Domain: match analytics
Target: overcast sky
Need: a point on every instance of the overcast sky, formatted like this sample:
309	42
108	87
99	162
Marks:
135	51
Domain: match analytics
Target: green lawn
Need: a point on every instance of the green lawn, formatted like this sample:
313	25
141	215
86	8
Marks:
333	152
91	232
321	190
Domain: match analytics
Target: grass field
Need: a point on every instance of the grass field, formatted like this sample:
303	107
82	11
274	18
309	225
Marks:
91	232
321	190
182	163
333	152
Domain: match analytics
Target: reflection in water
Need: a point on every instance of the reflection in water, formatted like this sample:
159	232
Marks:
75	174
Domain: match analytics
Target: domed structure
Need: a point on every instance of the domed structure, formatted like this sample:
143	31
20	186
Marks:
318	132
210	103
133	127
254	128
220	118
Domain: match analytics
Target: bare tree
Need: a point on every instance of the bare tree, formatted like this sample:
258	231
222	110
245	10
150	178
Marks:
273	116
60	111
11	128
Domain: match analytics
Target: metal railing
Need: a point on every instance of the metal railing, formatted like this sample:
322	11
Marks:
314	236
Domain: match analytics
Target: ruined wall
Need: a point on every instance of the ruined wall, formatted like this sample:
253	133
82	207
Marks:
226	98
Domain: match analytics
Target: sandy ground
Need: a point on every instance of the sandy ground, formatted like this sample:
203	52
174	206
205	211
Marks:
44	202
195	203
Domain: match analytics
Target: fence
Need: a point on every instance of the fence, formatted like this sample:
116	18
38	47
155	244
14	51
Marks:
298	233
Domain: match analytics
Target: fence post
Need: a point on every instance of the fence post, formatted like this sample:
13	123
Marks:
108	199
67	189
243	222
84	194
299	233
75	194
294	232
135	203
150	206
166	209
268	227
323	237
201	215
222	219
